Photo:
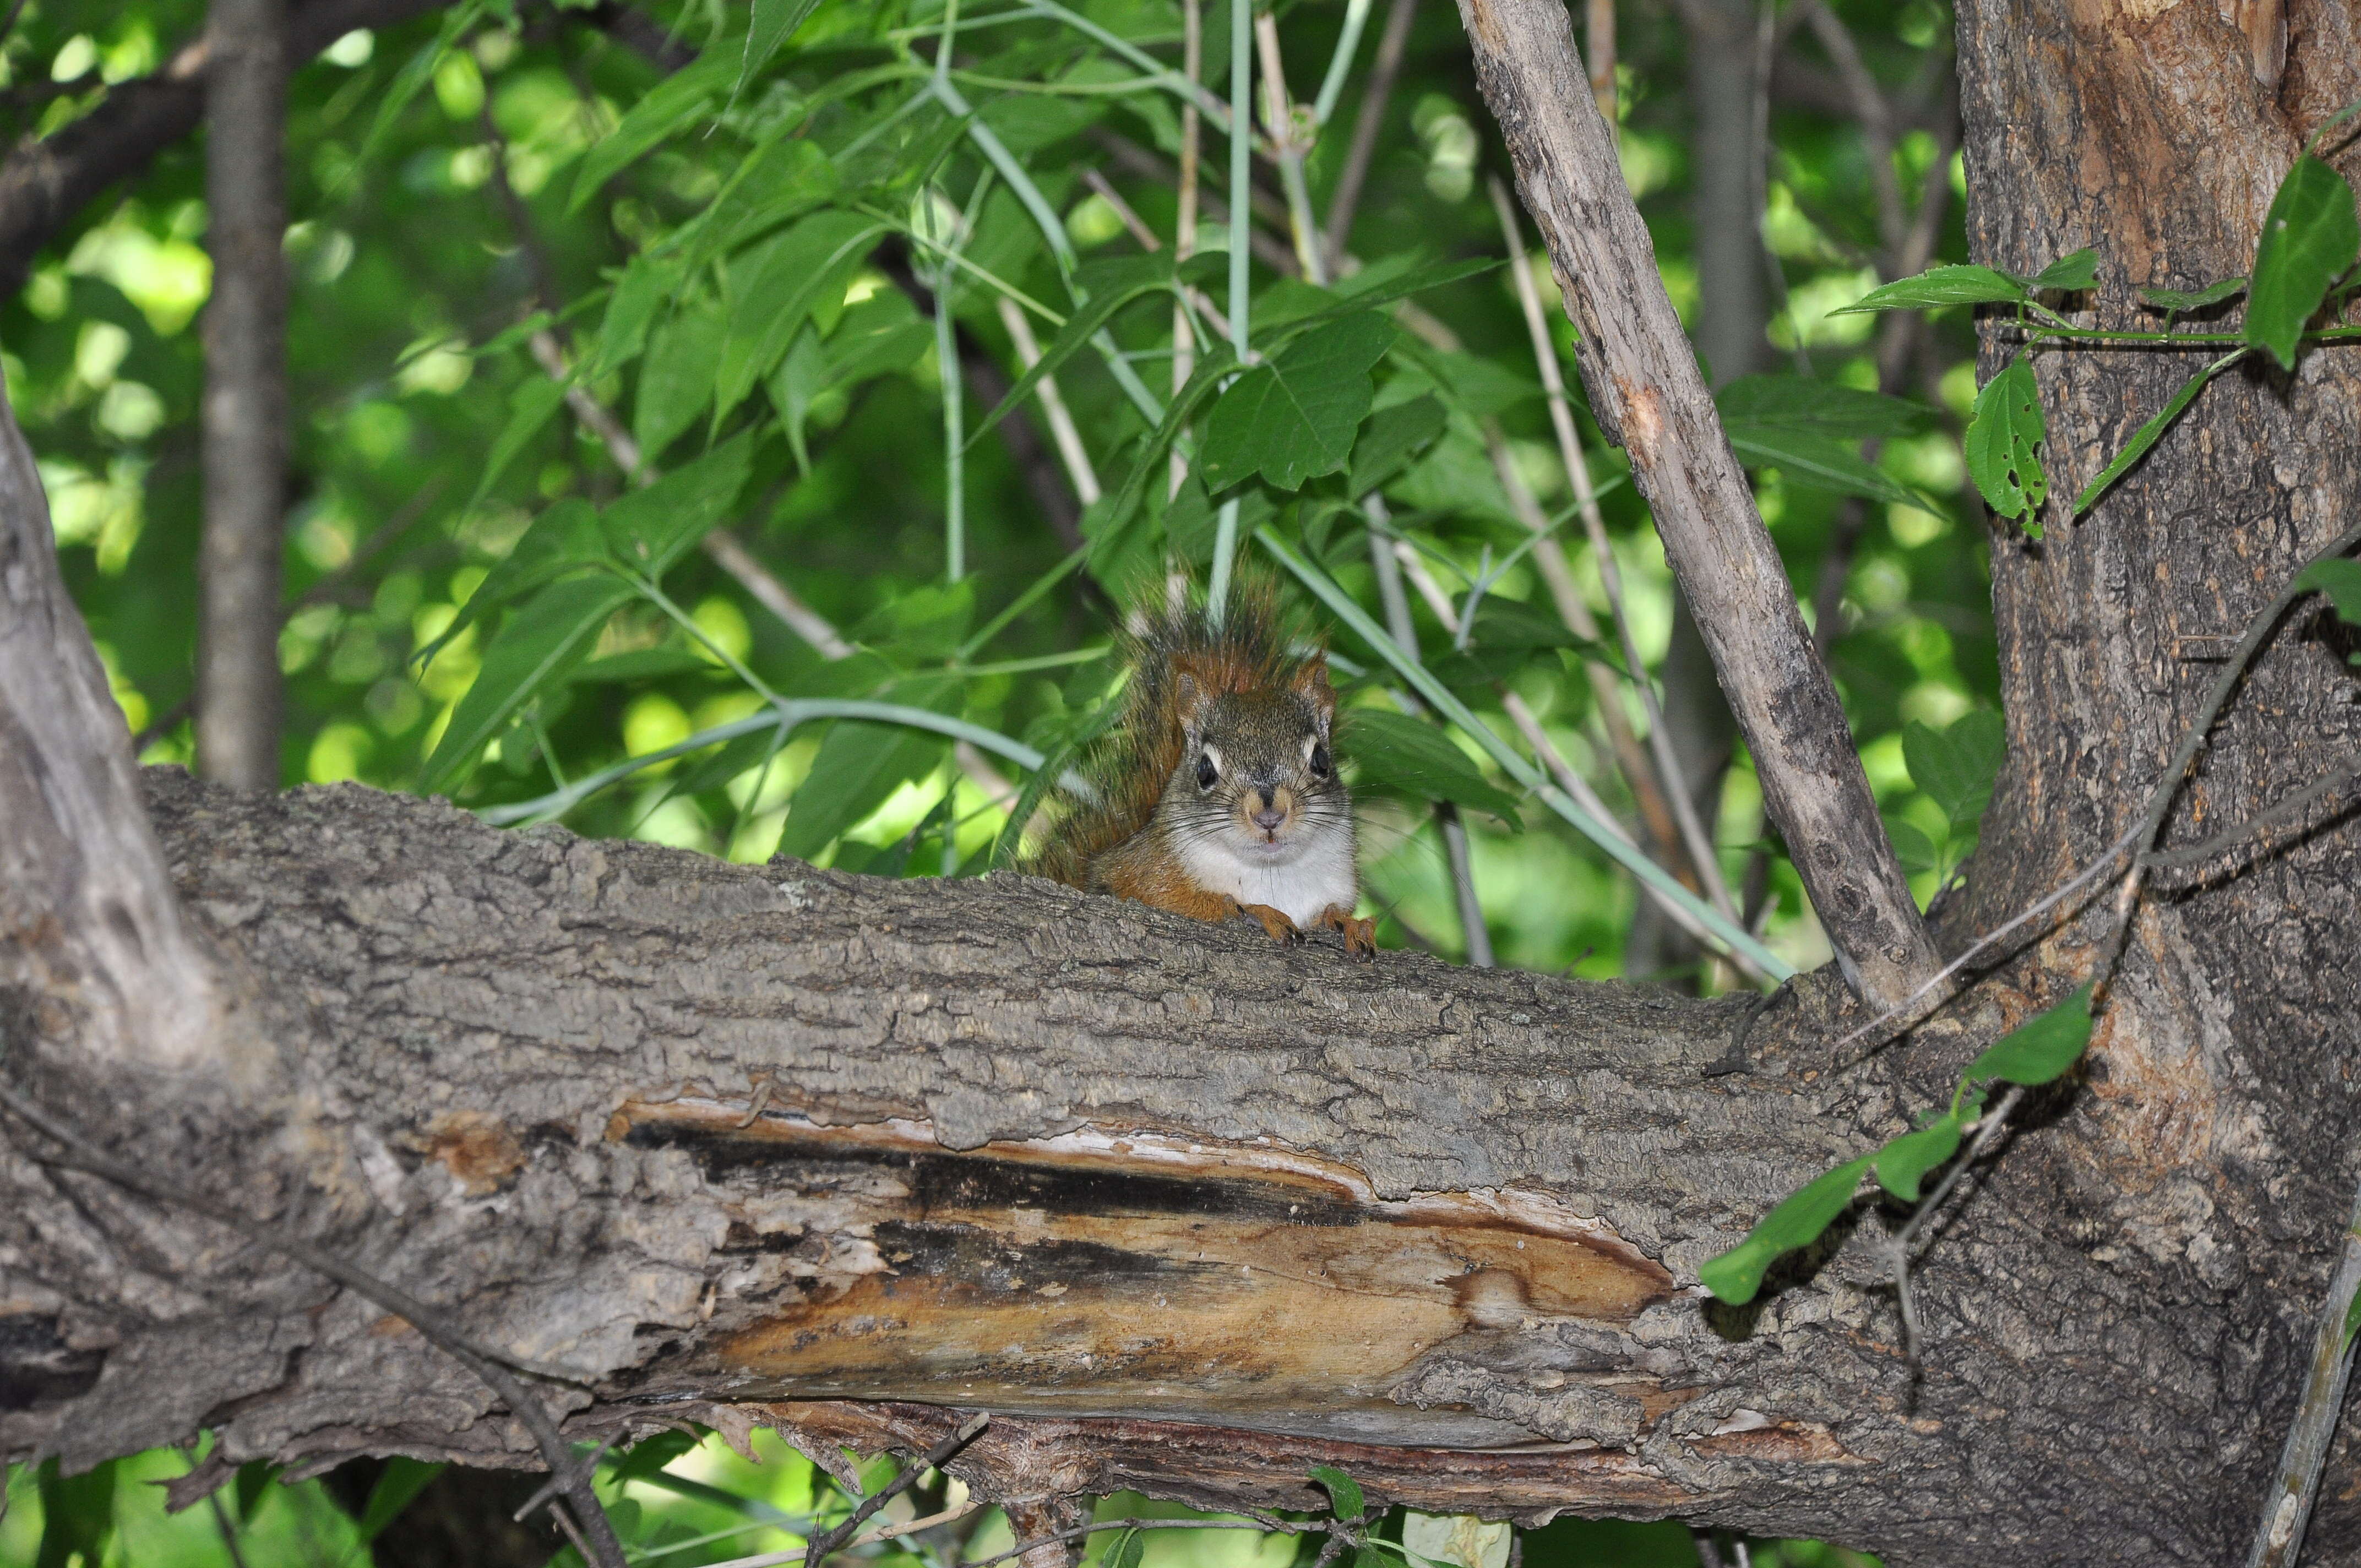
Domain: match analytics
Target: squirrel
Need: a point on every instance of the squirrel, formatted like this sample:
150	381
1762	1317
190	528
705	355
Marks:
1217	794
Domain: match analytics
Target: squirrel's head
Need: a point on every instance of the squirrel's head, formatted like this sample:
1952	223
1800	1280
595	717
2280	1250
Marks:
1257	773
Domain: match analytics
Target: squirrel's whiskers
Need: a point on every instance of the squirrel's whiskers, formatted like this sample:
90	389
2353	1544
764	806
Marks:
1218	794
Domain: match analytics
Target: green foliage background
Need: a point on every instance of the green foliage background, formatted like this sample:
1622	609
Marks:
778	239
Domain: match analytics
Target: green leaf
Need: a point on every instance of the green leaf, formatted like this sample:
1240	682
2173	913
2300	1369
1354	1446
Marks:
1107	287
397	1485
1939	286
773	287
2341	581
564	538
1398	752
676	378
650	529
2002	435
647	285
2146	435
2309	239
1912	848
2352	1319
1293	418
775	22
1400	286
1903	1163
667	108
1128	1550
925	624
1202	384
253	1478
1345	1498
1827	407
2177	300
540	642
1191	521
1956	766
2036	1052
2069	274
1735	1276
529	407
1807	457
1393	435
781	181
858	766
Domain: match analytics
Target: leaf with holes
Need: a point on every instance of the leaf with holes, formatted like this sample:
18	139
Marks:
1735	1276
2002	435
1293	418
2308	241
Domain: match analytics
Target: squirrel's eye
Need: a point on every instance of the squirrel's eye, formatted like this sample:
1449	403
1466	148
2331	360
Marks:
1320	762
1206	772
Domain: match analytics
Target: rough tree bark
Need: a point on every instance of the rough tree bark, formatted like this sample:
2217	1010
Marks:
770	1144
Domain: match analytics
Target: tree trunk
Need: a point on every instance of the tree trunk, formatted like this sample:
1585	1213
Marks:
245	395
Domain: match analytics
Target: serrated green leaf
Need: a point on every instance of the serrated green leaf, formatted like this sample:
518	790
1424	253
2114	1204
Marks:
1965	284
650	529
2003	433
1396	751
540	642
1343	1493
2036	1052
859	764
1903	1163
1810	458
1827	407
1912	848
676	378
773	23
1293	418
2341	581
1393	435
2178	299
775	287
2309	239
1108	287
669	106
530	408
1956	766
564	538
1735	1276
2069	274
2147	434
647	285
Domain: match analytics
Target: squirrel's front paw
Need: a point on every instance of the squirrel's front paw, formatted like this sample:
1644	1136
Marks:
1274	921
1360	935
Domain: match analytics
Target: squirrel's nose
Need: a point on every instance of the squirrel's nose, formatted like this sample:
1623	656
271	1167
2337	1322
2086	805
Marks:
1269	818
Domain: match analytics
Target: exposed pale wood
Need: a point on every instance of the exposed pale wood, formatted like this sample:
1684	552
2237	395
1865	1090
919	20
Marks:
1646	390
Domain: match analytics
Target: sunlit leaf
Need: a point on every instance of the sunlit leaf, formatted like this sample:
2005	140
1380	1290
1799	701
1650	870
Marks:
1956	766
859	764
1903	1163
1735	1276
549	634
2036	1052
2309	239
1293	418
1965	284
565	538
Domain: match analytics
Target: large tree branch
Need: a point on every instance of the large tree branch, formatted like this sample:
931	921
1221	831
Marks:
44	181
1645	387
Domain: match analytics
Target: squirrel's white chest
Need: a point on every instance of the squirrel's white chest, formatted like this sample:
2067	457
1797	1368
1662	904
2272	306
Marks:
1320	875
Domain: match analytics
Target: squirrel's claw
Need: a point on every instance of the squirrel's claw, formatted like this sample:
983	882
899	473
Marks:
1273	921
1360	935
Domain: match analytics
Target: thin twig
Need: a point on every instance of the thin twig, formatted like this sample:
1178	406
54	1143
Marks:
1693	837
1986	1131
2293	809
934	1459
1069	439
1368	123
1279	115
1184	226
83	1154
2287	1505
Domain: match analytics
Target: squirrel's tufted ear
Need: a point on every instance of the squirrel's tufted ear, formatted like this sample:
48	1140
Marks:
1312	681
1189	699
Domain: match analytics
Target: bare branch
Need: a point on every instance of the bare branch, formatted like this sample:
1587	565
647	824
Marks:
1646	390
